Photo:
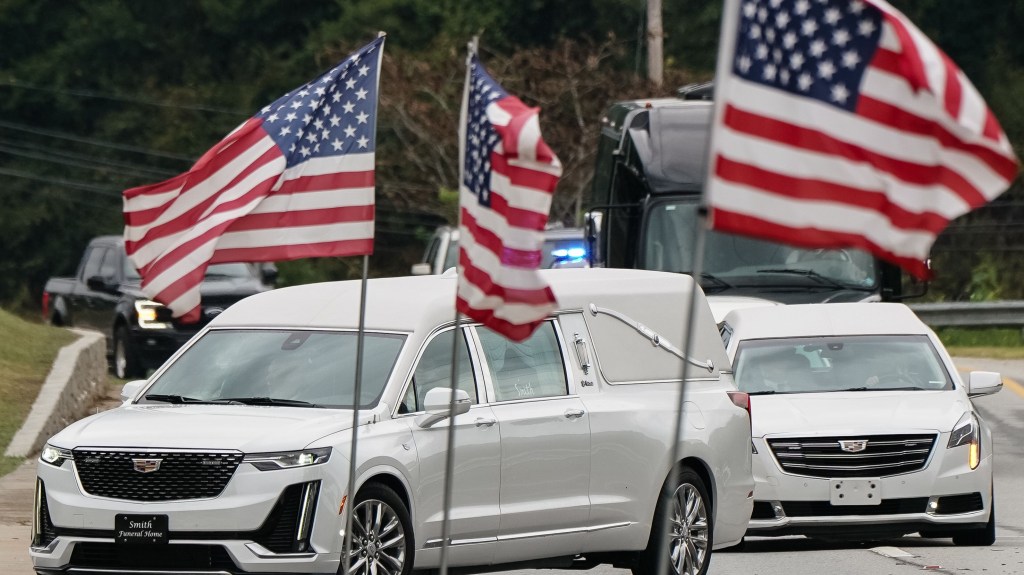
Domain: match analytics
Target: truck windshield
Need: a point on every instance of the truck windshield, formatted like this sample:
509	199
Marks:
235	270
303	368
746	262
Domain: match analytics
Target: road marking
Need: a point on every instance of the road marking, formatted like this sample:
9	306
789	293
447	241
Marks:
892	552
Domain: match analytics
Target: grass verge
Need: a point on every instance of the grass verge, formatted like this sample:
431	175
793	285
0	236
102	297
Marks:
996	343
27	351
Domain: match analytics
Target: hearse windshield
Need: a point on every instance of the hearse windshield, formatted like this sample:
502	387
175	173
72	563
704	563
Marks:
738	261
278	367
847	363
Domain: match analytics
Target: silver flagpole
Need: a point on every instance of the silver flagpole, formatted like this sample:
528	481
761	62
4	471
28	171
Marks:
449	461
350	503
726	38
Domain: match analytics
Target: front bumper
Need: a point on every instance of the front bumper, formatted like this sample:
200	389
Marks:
944	496
232	533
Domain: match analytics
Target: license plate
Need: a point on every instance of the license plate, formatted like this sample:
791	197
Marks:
140	529
855	491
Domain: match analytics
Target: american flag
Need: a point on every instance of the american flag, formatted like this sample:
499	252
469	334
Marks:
294	181
840	124
508	175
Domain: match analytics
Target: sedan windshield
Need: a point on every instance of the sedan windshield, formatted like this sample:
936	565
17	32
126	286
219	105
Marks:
276	367
851	363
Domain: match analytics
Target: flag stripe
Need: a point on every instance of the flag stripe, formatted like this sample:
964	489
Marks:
335	248
503	253
819	141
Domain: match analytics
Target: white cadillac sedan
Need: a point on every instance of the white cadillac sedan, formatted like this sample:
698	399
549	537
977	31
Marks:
862	427
234	456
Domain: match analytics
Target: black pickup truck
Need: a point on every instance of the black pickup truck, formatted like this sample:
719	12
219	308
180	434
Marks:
105	295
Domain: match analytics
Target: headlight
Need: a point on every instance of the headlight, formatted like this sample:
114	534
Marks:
967	432
54	455
147	312
288	459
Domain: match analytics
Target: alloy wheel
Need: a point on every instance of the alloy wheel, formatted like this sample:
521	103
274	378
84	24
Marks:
688	539
378	540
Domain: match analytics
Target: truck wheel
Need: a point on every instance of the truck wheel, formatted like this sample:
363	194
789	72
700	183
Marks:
689	523
126	362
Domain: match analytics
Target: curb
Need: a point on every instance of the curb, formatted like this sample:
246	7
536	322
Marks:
76	378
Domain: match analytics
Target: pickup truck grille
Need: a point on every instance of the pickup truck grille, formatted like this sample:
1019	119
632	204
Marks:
881	456
178	474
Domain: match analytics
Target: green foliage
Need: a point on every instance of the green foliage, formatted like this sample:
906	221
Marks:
981	337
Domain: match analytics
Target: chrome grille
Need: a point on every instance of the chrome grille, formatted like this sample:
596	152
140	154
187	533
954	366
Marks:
181	474
883	455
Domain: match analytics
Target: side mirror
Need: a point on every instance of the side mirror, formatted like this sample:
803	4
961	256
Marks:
421	269
130	389
100	283
437	404
593	235
268	273
983	383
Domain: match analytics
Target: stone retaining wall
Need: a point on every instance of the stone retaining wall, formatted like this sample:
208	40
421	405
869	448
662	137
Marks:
77	378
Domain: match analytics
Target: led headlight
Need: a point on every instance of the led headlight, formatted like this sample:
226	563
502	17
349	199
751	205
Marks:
54	455
288	459
967	432
147	312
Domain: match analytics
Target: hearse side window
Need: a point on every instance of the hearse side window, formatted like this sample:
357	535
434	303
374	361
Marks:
435	370
532	368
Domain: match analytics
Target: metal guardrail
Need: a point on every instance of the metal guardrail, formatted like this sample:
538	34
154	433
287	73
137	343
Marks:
1009	313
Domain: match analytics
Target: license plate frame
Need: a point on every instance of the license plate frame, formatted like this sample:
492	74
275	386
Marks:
855	491
135	529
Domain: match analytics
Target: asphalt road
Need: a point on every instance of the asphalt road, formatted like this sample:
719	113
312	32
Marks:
1004	412
766	556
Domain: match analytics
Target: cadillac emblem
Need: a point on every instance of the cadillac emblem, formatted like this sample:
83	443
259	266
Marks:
146	465
853	445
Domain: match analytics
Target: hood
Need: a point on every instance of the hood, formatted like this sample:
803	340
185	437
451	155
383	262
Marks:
856	412
249	429
721	305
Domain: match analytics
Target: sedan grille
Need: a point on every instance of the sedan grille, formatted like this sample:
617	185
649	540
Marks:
853	456
155	475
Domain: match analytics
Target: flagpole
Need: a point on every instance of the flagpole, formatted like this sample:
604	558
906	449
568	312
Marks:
350	503
449	467
725	38
356	393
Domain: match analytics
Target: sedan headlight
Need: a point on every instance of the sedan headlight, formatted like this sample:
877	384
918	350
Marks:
288	459
147	312
967	432
55	456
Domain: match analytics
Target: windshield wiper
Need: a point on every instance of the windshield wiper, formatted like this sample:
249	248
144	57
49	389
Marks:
718	282
763	392
271	401
824	280
181	399
907	388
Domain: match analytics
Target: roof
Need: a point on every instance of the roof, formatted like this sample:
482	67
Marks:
645	301
824	319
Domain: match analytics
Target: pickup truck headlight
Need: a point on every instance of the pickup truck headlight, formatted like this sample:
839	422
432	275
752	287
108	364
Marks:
55	456
288	459
147	312
967	432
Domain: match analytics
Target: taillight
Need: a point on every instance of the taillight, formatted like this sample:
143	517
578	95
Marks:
46	306
742	399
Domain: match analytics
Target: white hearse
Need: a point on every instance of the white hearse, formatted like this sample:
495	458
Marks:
862	427
234	456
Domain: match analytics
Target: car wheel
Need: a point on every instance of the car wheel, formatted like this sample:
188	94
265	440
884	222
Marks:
982	537
382	540
690	528
126	362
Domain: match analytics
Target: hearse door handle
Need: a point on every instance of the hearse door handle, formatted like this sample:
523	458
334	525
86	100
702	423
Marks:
482	422
574	413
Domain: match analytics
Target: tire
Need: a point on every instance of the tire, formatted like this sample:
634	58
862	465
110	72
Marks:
981	537
125	361
382	538
691	534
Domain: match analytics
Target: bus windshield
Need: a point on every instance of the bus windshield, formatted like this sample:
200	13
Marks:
740	261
